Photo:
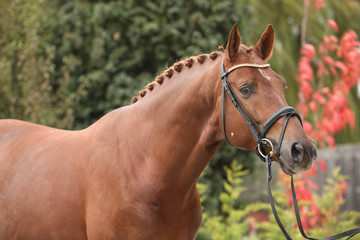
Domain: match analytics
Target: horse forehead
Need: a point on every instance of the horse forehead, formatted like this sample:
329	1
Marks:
271	76
264	74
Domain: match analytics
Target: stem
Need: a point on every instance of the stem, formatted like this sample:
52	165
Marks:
304	23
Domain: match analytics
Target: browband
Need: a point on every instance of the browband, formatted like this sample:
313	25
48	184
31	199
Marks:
246	65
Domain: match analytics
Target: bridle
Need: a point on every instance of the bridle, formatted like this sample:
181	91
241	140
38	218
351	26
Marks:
259	133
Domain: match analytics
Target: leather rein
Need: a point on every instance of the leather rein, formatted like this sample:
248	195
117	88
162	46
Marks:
259	133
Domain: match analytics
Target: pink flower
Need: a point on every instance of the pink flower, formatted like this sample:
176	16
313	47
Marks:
308	50
319	4
307	126
333	24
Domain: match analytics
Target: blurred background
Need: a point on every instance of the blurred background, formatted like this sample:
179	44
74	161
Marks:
67	63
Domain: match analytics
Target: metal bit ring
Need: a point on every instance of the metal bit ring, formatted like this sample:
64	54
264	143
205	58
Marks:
272	152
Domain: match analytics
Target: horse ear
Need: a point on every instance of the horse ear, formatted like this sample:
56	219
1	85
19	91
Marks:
233	43
264	46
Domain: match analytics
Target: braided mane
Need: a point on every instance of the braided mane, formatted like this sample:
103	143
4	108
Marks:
177	67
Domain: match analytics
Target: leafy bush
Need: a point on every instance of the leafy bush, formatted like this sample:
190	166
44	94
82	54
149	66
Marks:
321	217
27	89
232	222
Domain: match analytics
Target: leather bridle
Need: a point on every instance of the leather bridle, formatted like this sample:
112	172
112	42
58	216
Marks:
259	133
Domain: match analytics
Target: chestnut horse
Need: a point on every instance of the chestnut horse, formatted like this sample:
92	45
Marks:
133	173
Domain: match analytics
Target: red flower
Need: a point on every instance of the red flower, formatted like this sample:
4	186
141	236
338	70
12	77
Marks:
349	117
329	60
319	4
333	24
306	89
308	50
322	164
307	126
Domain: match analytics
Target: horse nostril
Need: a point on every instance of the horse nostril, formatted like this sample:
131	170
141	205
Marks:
297	152
314	153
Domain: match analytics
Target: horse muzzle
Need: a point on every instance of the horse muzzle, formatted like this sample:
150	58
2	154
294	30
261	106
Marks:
297	157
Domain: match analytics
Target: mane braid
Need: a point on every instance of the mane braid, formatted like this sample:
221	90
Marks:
189	62
176	68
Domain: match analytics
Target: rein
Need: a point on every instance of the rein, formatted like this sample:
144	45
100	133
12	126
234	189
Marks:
259	134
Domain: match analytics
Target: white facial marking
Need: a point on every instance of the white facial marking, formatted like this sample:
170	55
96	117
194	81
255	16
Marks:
264	75
232	134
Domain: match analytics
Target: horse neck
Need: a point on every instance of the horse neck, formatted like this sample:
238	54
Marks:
176	127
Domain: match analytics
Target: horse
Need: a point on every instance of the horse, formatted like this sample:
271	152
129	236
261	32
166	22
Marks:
132	174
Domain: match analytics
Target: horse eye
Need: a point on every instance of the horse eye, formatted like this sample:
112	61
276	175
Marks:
245	91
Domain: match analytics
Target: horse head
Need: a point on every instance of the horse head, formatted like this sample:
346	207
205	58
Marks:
257	92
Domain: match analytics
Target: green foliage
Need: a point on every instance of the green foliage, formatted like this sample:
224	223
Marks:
231	223
330	219
26	67
215	174
331	201
114	48
235	221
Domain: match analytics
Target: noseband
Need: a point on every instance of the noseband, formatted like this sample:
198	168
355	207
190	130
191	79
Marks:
259	134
